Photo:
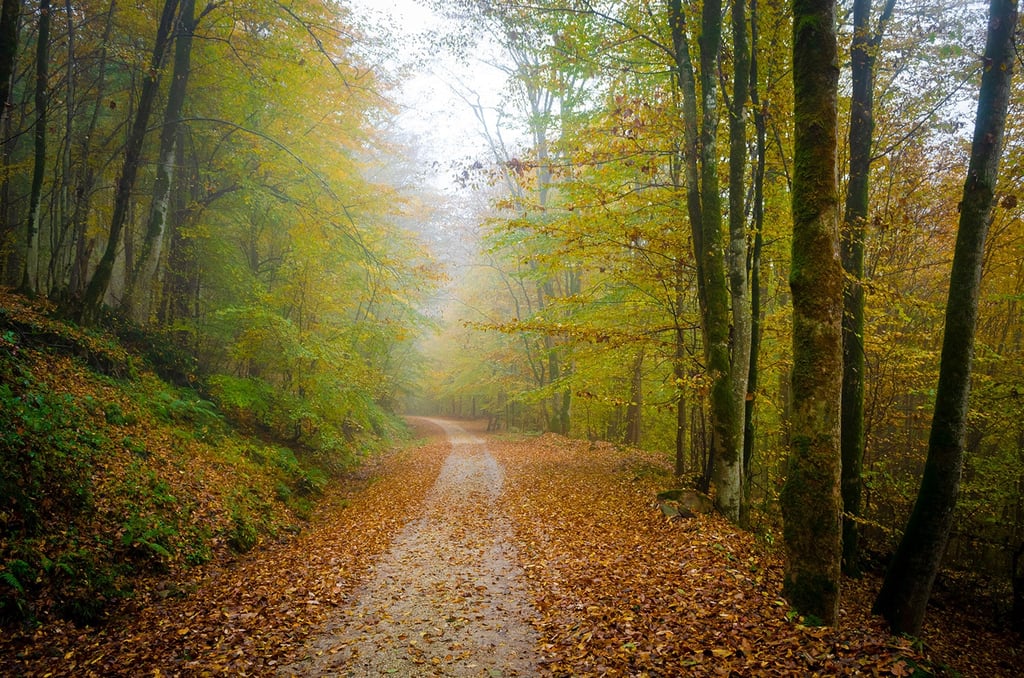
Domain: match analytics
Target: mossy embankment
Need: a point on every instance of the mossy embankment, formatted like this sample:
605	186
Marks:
114	482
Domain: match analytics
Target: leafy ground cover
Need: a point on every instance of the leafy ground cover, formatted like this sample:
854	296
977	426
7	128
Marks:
618	589
245	615
623	591
113	480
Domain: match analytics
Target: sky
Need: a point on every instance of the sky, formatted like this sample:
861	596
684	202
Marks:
444	125
444	134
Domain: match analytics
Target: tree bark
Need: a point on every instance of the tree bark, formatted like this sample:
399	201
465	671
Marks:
86	180
140	288
761	127
736	259
30	274
97	288
679	372
908	582
810	498
704	205
9	15
862	59
636	397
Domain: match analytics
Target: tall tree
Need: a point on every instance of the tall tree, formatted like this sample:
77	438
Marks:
761	132
29	278
810	499
863	54
908	582
9	14
140	293
97	289
704	207
736	259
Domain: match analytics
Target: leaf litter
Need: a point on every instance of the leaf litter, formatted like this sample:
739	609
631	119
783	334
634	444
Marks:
530	556
447	598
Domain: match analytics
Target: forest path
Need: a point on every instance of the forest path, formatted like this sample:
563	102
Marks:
447	598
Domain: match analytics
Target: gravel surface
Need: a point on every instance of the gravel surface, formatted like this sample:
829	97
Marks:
447	599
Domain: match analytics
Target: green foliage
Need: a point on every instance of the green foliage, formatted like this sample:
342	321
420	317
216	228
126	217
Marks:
244	534
115	416
85	582
167	350
16	577
152	529
183	407
149	537
47	448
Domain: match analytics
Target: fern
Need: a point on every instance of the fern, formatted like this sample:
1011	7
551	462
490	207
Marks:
8	578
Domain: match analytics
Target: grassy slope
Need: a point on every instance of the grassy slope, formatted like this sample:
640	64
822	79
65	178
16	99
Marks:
111	479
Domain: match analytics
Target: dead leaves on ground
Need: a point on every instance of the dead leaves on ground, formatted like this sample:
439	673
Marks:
246	617
622	591
619	589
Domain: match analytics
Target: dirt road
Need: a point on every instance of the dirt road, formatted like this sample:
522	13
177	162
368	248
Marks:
447	599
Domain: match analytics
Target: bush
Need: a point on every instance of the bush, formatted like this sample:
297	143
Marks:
84	584
46	457
244	535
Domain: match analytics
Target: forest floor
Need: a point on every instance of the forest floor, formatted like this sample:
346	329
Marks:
480	555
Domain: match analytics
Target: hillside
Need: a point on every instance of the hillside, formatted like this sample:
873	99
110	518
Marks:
113	482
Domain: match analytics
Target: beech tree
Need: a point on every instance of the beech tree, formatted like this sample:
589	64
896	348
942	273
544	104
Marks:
810	500
908	581
95	292
141	281
29	282
9	14
863	56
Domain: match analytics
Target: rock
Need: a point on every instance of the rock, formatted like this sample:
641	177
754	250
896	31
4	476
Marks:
692	501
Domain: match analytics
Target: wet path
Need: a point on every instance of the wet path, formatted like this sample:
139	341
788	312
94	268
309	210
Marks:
447	598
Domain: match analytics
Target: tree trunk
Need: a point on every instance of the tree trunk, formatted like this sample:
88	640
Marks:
140	290
97	289
688	88
679	372
810	499
704	205
9	15
84	244
60	250
736	260
761	127
862	58
636	397
908	582
30	274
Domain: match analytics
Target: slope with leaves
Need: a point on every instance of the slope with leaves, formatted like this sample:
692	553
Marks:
111	479
250	615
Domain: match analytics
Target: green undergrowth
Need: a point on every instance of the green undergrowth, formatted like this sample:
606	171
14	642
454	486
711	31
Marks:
111	477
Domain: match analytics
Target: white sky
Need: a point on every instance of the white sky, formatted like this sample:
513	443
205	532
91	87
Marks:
444	125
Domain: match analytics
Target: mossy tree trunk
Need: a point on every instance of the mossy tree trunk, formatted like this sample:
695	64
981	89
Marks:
810	499
908	582
704	204
863	51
